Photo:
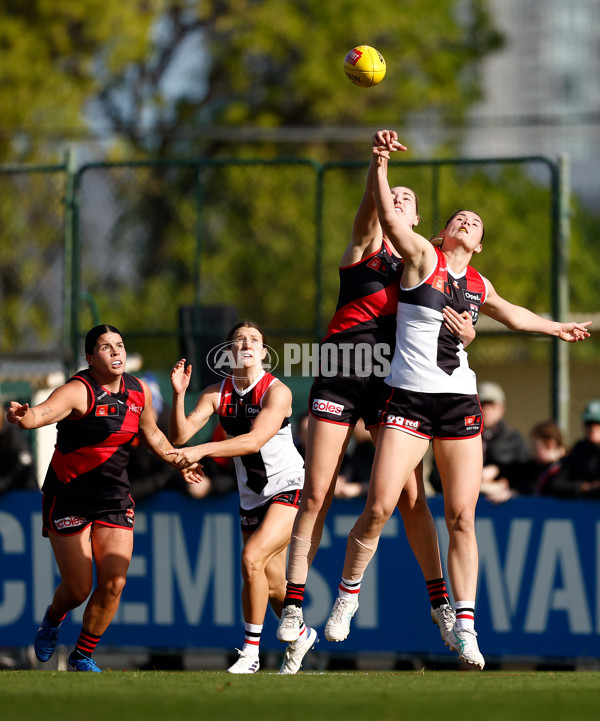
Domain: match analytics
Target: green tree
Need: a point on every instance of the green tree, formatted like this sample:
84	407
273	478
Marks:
152	72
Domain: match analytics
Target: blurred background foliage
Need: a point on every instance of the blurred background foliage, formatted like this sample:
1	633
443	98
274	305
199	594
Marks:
195	84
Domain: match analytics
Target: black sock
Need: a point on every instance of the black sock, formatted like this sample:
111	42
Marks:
294	594
438	595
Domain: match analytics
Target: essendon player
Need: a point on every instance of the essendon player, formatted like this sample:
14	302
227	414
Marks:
432	393
253	408
365	317
88	514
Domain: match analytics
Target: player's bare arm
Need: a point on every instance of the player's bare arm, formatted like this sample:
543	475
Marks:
276	407
182	427
516	317
367	234
417	251
69	399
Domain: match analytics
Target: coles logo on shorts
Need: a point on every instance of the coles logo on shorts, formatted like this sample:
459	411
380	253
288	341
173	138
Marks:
402	422
327	407
69	522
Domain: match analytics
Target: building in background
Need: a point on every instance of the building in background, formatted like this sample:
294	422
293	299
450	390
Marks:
542	90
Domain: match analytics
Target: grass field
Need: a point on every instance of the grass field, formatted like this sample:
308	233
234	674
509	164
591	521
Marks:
310	696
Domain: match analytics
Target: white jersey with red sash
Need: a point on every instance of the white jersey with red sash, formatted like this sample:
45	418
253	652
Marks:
277	467
428	358
91	453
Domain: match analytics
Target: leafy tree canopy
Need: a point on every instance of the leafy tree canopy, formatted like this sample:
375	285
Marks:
155	72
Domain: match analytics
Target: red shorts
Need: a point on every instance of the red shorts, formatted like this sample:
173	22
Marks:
251	520
432	415
69	516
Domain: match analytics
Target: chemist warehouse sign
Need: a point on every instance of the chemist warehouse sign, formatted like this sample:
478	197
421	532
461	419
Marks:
539	580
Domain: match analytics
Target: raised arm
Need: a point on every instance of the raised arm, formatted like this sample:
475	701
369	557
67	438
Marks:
182	428
70	398
277	405
516	317
417	251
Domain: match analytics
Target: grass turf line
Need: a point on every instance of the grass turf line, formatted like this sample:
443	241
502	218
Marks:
310	696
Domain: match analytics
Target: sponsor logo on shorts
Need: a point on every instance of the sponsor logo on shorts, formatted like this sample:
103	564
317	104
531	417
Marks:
130	514
473	422
69	522
327	407
402	422
249	521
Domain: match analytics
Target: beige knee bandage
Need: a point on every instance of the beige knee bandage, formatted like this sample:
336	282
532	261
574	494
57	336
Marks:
358	555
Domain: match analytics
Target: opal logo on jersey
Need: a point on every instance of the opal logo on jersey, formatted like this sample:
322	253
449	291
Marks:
252	411
222	360
69	522
327	407
402	422
472	297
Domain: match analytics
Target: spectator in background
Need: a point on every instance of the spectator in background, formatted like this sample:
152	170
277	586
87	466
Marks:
532	476
579	475
17	470
355	472
503	447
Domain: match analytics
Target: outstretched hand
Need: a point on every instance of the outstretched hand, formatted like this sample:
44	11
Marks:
16	411
573	332
180	376
385	142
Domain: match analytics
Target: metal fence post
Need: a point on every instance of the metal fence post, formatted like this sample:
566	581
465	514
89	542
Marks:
70	286
560	356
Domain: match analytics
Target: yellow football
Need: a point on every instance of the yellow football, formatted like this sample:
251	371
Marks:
364	66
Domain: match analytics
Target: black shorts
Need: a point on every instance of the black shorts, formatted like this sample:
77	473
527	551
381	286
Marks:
432	415
345	398
69	516
251	520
